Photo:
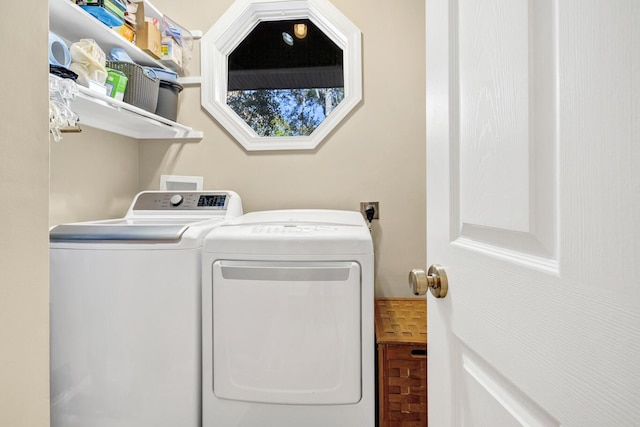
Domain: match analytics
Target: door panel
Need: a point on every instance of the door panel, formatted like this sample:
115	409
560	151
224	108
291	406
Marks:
494	143
504	142
533	200
491	400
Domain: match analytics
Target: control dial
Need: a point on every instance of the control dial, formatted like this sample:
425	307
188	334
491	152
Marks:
176	200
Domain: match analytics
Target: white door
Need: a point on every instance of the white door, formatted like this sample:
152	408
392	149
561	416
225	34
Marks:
533	209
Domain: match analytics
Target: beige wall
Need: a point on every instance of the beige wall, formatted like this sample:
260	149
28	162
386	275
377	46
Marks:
94	175
377	154
24	186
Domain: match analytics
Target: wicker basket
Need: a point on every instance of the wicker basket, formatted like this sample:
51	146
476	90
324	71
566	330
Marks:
142	90
401	334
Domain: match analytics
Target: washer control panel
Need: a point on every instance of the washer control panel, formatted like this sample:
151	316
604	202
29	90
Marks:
183	200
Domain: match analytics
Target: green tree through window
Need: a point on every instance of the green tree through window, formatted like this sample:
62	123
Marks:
284	112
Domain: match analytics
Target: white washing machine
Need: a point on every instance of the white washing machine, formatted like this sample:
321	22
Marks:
126	312
288	329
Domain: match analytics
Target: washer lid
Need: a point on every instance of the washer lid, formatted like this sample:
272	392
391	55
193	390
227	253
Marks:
141	230
117	232
293	232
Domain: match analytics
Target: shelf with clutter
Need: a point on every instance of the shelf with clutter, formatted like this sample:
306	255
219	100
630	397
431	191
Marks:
126	58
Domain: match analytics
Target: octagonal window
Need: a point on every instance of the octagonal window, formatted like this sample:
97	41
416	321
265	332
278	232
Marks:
281	74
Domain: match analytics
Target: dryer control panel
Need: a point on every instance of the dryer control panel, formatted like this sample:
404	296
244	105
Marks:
183	200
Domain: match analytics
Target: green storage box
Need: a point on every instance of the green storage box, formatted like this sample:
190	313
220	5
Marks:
116	84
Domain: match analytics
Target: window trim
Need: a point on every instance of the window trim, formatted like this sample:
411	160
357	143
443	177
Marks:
235	24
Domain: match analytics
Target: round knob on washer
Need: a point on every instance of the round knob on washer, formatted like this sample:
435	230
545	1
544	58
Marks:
176	200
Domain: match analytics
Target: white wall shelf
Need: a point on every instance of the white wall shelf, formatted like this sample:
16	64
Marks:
72	23
190	81
102	112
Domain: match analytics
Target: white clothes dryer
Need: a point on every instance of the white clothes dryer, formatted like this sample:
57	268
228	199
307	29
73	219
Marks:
125	312
288	329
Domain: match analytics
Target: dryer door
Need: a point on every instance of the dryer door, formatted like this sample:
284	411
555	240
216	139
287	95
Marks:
287	332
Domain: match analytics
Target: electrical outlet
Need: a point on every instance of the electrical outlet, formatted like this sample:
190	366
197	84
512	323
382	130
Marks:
366	205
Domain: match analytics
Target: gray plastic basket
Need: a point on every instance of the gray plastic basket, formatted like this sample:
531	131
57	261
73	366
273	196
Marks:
142	90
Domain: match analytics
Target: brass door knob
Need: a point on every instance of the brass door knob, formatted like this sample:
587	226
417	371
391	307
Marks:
435	280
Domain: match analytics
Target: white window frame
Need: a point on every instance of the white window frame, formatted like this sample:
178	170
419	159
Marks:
236	23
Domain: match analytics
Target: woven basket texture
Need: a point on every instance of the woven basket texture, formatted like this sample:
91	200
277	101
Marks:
401	334
142	90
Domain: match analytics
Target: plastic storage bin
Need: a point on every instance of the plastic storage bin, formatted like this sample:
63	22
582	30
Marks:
109	12
142	86
164	74
168	99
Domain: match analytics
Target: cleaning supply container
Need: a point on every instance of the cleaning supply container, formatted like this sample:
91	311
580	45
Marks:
116	84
